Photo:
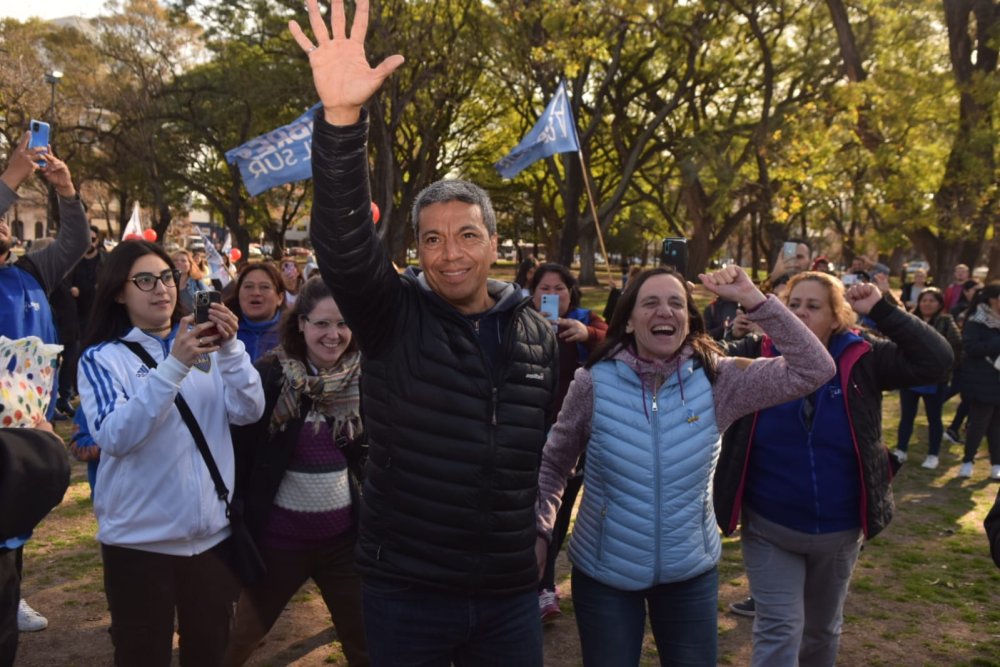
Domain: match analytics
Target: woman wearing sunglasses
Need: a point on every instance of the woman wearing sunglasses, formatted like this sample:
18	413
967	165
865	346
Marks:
161	524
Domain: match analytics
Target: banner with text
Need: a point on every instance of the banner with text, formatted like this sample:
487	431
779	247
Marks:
281	156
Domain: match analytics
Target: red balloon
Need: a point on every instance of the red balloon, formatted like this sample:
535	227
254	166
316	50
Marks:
133	237
235	254
376	214
149	235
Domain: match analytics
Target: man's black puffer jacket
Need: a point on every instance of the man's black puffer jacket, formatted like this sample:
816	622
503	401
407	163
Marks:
453	444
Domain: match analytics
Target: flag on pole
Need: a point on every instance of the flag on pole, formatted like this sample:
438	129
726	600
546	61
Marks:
555	132
134	225
216	266
278	157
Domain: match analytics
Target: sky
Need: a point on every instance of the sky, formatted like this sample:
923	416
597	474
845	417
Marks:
50	9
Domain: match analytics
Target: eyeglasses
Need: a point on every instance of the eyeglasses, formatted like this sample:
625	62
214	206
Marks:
147	281
323	325
260	287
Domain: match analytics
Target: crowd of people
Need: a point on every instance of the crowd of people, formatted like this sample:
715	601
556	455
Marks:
415	442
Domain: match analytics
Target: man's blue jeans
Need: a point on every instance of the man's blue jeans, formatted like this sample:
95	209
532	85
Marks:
414	626
683	616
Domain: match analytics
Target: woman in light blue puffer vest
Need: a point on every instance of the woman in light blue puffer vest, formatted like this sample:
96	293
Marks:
649	408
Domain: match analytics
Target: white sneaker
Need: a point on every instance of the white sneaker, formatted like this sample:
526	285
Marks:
29	620
965	470
995	473
900	455
931	462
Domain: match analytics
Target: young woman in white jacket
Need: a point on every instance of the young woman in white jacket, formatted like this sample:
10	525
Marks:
162	526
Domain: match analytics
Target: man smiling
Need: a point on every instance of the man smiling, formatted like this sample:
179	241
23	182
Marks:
458	376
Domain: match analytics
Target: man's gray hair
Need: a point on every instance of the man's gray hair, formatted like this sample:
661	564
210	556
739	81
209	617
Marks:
442	192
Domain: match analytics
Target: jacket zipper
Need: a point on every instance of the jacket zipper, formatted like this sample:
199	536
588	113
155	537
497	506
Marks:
656	486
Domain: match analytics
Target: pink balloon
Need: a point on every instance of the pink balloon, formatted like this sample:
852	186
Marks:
149	235
235	254
376	214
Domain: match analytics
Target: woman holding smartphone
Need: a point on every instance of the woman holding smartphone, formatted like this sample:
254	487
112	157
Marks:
161	524
579	332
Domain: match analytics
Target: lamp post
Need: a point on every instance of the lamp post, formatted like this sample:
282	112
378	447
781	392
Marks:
52	78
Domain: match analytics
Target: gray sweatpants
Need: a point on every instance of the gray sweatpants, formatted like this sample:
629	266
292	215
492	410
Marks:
799	583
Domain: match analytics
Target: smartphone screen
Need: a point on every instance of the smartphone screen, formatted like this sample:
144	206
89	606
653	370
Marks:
550	307
788	249
39	136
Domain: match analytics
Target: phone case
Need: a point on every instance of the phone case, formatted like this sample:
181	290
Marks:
550	306
39	136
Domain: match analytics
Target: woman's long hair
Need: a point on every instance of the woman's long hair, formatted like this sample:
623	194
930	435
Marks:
194	271
292	339
109	319
526	265
705	349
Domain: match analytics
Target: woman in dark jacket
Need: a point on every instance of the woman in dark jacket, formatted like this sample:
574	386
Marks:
811	476
930	309
981	378
297	475
579	332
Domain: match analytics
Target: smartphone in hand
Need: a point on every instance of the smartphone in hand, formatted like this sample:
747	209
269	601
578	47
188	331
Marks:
675	254
788	250
39	137
203	301
550	307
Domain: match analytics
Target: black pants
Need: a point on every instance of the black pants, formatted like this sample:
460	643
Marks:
10	596
332	568
984	419
144	589
559	531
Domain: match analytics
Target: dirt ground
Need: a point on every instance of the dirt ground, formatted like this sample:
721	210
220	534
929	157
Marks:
63	582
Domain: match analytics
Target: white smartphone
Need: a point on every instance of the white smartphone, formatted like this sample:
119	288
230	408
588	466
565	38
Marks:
550	307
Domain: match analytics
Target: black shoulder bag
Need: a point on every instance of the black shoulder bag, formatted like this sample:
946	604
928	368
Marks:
245	559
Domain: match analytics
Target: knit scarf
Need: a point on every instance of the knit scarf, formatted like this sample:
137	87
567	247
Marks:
334	393
986	316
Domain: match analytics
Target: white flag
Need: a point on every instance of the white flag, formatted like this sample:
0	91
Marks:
215	263
134	225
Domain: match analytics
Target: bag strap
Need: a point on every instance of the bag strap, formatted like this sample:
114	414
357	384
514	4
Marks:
192	424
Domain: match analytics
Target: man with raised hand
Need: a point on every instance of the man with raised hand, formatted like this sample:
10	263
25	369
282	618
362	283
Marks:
26	282
458	375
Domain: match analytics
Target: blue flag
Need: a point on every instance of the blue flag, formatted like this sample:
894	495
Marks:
278	157
555	132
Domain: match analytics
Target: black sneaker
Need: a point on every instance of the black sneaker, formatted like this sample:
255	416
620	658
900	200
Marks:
951	435
744	608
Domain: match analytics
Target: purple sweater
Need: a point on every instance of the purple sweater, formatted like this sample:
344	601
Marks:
742	386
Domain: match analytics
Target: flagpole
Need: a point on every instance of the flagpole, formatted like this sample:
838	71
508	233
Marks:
590	195
597	222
